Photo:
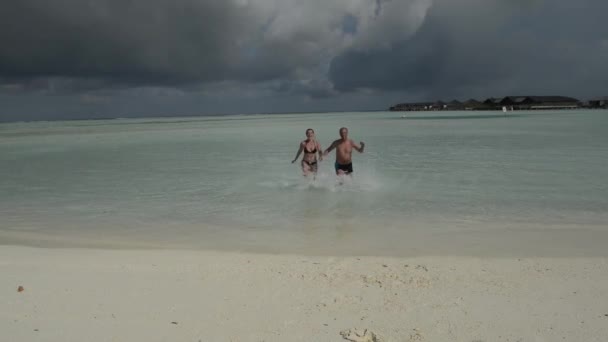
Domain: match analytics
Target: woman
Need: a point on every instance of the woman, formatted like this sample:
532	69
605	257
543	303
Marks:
310	147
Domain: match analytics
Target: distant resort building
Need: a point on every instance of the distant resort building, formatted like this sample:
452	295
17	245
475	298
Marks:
507	102
540	102
601	102
416	106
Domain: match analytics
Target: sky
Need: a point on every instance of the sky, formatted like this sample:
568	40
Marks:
79	59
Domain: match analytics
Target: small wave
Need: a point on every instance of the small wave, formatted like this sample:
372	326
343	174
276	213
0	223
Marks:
326	182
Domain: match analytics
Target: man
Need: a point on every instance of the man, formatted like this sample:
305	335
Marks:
344	152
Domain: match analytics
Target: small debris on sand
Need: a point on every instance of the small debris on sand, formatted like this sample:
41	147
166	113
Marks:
354	335
422	267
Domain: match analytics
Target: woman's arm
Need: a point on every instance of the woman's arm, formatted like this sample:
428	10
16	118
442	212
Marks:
298	154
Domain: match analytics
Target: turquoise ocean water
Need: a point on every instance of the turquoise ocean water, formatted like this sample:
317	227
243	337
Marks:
430	183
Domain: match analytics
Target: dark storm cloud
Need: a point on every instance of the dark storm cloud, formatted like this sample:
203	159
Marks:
314	89
133	42
178	42
490	48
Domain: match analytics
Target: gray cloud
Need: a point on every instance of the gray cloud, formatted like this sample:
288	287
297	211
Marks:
174	42
490	48
133	42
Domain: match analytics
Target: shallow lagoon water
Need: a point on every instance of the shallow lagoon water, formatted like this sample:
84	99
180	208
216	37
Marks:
428	183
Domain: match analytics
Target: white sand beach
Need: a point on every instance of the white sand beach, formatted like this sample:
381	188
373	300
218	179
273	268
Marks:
176	295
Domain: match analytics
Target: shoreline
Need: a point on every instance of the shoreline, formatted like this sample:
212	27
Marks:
501	241
183	295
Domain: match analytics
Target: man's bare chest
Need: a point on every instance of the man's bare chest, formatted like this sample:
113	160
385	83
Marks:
345	148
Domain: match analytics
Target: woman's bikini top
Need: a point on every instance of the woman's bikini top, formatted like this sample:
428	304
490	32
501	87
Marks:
307	151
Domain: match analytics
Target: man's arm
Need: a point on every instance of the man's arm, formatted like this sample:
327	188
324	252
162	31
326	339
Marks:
320	150
330	148
298	154
357	147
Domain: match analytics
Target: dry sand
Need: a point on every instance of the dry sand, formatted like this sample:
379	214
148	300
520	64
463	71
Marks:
173	295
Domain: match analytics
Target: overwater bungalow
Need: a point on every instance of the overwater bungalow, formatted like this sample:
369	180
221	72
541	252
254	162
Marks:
507	102
540	102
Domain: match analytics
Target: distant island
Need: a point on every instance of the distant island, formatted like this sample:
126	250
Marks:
505	103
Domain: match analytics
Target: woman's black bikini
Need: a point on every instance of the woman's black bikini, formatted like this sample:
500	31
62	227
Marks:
311	164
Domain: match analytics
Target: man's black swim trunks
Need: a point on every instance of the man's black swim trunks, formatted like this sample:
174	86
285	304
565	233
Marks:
347	168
